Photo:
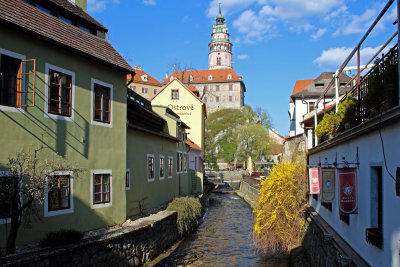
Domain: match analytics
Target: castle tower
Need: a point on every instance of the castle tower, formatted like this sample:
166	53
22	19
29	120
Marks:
220	55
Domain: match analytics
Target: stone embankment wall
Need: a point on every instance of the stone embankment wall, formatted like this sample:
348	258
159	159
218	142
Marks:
249	193
132	245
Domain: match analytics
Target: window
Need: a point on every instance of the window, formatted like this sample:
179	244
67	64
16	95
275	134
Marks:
184	162
102	103
128	179
15	72
170	166
180	162
65	19
229	76
205	99
223	99
60	92
217	98
101	188
150	168
217	88
5	185
175	94
84	28
230	98
210	77
59	195
155	91
230	87
218	61
311	106
162	167
374	235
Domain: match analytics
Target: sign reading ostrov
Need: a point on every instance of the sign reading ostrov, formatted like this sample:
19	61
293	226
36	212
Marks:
182	110
347	190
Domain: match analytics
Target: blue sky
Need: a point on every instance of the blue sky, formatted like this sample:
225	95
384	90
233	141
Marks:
275	42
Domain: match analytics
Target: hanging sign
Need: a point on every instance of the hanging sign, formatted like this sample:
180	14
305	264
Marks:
313	175
347	190
328	185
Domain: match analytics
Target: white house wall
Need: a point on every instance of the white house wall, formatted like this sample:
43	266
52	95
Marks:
370	154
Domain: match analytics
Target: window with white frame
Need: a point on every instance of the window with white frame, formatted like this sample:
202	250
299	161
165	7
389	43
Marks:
162	168
101	188
184	162
60	86
102	103
174	94
170	166
150	168
58	198
128	179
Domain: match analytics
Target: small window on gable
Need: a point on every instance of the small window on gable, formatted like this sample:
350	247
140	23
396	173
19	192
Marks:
319	85
191	77
229	77
210	77
144	77
17	80
175	94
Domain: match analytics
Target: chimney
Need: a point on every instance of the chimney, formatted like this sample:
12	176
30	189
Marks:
138	67
166	74
80	3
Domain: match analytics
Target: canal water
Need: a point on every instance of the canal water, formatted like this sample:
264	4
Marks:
224	238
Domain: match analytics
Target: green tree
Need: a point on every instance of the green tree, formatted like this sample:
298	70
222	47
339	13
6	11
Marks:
253	142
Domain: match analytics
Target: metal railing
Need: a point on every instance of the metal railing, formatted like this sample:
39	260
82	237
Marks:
360	89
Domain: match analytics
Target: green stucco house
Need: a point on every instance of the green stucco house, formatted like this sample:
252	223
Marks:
62	84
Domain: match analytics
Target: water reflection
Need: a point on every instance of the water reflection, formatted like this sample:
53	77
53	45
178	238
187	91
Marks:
223	239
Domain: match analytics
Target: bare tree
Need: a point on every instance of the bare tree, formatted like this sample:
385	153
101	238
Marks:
31	173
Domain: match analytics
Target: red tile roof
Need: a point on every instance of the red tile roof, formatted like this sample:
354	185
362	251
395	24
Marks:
139	74
300	85
193	89
201	76
78	12
192	144
28	18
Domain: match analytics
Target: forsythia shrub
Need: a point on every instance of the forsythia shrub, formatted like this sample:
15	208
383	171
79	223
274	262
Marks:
189	213
280	207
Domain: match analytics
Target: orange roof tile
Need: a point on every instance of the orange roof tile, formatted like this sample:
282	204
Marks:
299	86
193	89
192	144
201	76
138	78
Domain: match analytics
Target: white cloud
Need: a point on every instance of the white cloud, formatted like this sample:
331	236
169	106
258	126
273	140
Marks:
318	34
99	5
253	27
332	58
243	57
149	2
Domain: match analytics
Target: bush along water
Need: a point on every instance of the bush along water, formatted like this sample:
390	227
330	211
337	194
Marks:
189	213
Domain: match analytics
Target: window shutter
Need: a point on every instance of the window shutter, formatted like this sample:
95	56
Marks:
30	79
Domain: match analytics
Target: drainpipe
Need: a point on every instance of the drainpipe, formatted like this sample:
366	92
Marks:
337	89
315	124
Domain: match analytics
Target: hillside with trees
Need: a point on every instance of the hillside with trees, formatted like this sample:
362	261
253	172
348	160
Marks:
236	135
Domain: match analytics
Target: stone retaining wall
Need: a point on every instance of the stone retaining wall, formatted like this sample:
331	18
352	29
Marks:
132	245
248	193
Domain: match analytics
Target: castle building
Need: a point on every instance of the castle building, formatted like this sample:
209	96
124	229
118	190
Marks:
143	84
219	87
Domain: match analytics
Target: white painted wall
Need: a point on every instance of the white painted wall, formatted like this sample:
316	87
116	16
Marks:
370	153
194	160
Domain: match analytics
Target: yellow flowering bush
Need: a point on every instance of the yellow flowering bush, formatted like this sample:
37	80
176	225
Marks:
282	198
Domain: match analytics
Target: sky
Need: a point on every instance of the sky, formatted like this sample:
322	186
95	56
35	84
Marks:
275	42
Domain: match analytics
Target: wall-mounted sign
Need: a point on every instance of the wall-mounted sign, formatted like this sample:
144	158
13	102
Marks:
347	190
313	176
328	185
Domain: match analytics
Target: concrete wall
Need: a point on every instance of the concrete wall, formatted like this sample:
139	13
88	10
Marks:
86	145
369	155
248	193
132	245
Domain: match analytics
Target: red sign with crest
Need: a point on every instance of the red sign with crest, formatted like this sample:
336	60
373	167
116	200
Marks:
313	175
348	190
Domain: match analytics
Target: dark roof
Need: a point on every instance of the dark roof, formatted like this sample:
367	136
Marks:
316	87
77	11
141	116
25	17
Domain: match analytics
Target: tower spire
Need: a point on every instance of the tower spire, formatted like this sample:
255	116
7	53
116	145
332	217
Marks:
220	8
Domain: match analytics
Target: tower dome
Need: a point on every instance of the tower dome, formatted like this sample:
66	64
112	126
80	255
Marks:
220	55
